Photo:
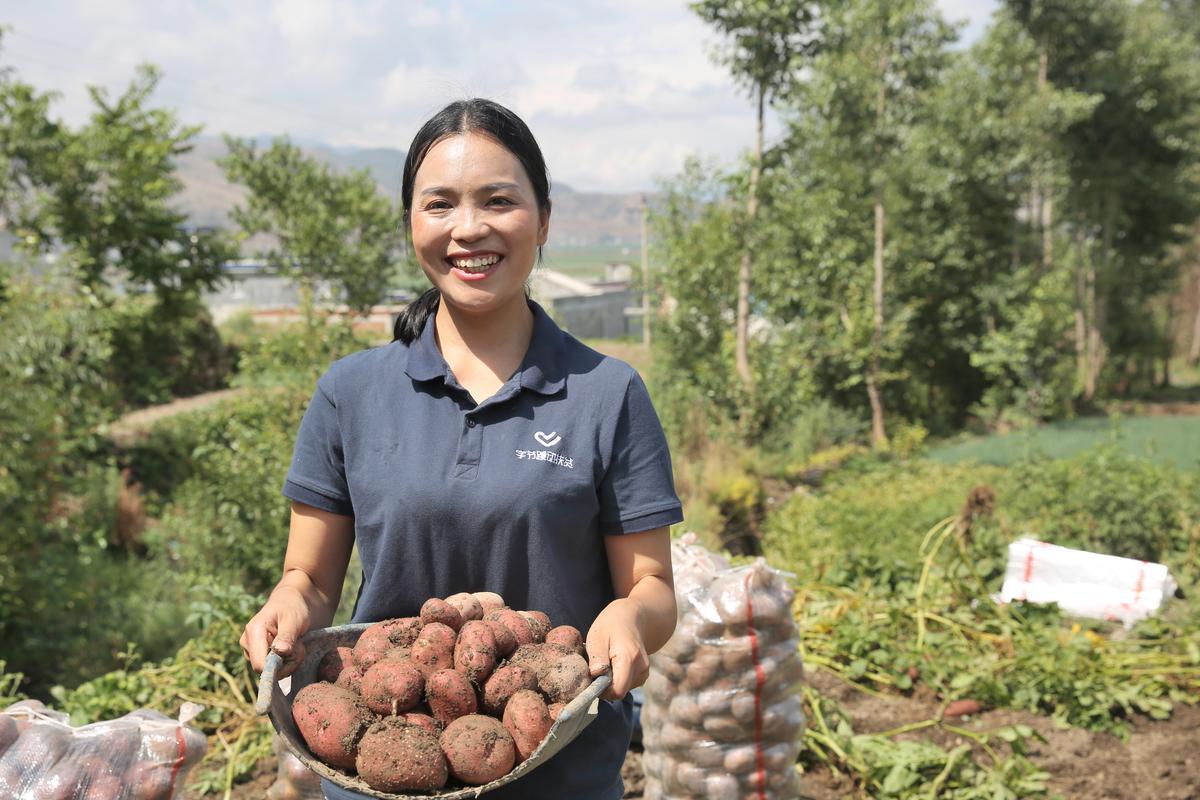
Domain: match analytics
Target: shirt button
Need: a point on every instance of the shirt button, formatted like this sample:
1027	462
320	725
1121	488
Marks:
470	422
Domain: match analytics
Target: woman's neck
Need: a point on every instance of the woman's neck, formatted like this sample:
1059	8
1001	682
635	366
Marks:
503	329
484	350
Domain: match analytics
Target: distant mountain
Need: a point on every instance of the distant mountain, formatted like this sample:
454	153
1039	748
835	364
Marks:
578	218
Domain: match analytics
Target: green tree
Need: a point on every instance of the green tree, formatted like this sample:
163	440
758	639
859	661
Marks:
328	226
101	196
766	43
852	120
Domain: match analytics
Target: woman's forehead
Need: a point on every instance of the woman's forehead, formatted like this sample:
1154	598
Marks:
467	160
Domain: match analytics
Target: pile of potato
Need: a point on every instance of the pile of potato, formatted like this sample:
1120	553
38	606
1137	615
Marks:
143	755
464	692
293	781
722	717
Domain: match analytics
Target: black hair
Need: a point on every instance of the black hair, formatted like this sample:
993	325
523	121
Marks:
466	116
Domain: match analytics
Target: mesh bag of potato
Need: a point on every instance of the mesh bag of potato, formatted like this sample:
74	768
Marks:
294	781
722	717
143	755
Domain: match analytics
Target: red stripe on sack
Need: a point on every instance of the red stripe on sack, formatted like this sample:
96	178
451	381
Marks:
1028	573
760	679
178	759
1137	591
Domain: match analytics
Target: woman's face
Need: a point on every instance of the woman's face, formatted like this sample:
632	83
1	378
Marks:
475	223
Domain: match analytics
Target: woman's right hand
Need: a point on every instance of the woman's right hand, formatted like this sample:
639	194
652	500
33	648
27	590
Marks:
278	626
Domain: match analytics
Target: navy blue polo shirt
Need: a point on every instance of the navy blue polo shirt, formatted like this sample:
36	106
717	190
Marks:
513	495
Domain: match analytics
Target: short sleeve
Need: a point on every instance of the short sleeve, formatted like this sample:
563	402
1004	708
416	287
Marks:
637	492
318	473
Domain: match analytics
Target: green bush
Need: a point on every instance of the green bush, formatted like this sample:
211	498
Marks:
162	351
1107	501
227	517
295	354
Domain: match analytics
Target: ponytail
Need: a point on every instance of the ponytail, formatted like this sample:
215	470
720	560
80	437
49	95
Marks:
411	320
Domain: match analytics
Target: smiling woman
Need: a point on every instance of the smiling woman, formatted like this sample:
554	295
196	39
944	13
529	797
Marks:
486	450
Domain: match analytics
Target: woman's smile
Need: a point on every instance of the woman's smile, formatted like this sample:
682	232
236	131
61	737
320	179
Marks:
473	266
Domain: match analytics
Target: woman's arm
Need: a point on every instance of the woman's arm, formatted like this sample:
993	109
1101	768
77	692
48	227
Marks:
642	618
318	551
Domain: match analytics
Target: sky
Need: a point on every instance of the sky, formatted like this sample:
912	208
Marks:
617	92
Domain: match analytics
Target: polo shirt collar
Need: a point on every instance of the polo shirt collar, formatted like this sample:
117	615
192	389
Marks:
542	371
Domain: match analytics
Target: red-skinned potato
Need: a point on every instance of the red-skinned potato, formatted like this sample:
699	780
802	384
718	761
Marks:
469	607
424	721
564	679
431	654
438	610
331	721
351	679
490	601
554	709
503	684
147	780
440	633
392	687
567	636
104	787
539	624
450	695
528	720
334	661
378	639
516	623
475	652
506	643
479	749
8	732
394	756
60	782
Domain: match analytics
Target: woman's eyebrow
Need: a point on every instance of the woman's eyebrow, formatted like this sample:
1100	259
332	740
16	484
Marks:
487	187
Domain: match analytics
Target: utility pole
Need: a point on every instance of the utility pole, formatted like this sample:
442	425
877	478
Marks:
645	277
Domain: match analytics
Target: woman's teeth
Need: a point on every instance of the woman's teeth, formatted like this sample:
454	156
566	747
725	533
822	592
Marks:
474	264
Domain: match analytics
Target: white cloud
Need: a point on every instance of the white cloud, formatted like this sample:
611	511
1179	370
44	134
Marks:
617	91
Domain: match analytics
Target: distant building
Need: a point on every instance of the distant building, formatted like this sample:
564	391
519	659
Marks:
588	309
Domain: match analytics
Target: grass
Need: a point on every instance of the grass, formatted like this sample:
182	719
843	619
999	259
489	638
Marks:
589	261
1163	439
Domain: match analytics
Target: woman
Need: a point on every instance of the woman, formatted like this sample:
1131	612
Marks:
485	450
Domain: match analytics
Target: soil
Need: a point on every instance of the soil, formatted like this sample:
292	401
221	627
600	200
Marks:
1160	760
129	428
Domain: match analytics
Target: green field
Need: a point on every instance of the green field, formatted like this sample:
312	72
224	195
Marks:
588	261
1165	439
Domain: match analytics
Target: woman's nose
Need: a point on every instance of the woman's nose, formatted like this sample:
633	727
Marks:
469	224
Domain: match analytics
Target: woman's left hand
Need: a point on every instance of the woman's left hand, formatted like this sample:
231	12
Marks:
615	642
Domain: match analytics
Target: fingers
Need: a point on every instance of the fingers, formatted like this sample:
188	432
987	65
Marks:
620	653
275	629
630	669
597	648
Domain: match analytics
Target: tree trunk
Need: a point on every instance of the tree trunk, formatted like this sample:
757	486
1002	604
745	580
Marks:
741	355
1194	350
874	369
1096	350
1047	193
1081	337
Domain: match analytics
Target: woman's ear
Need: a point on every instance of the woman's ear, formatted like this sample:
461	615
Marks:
543	226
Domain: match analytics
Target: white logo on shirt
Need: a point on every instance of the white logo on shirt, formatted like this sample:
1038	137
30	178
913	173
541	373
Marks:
547	439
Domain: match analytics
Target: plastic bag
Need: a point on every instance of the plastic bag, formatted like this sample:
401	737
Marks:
143	755
295	781
723	716
1085	584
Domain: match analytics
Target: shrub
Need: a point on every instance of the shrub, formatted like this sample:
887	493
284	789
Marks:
162	351
227	517
296	354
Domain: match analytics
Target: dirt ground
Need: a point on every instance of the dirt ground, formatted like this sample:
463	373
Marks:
1160	761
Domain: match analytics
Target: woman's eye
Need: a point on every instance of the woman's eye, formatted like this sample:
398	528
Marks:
501	200
435	205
